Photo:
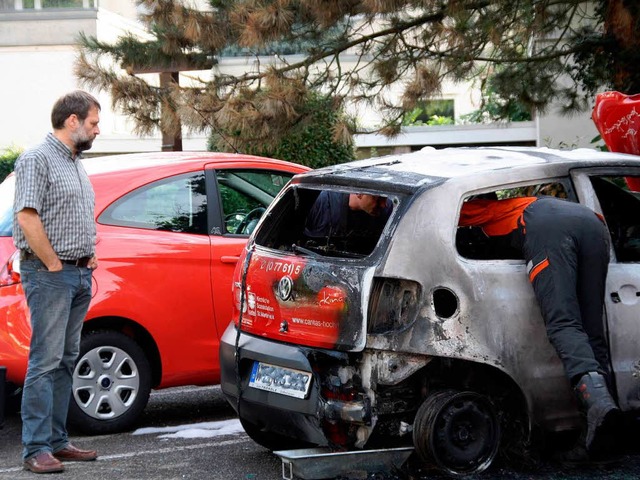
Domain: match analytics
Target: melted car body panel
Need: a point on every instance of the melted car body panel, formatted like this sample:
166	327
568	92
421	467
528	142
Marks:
302	300
422	313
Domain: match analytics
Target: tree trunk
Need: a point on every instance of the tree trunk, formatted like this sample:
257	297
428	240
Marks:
170	142
622	25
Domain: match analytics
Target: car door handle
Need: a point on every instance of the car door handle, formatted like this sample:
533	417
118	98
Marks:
230	258
616	298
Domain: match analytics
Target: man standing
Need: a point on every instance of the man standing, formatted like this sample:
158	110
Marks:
55	231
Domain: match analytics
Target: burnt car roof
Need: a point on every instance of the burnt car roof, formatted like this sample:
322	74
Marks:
429	167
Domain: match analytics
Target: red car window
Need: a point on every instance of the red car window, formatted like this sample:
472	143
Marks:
176	204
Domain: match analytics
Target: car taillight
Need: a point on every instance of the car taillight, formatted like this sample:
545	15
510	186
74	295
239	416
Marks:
239	302
393	304
10	273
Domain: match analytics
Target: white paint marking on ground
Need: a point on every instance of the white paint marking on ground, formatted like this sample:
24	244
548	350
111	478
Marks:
160	451
188	389
195	430
173	449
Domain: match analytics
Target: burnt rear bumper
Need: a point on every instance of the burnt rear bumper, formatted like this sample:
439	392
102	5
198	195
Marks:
288	416
297	418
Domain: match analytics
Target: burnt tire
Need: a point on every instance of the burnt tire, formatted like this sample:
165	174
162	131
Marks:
457	431
111	383
270	440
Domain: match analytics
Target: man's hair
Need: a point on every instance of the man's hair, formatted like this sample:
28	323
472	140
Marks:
77	102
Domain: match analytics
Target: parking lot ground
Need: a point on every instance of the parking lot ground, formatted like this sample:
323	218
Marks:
192	433
185	433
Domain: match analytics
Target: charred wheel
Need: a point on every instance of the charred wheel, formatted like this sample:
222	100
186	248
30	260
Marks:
457	431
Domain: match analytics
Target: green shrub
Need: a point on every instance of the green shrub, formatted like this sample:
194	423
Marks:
310	142
8	158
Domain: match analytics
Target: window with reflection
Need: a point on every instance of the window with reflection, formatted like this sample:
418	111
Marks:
17	5
176	204
62	3
245	195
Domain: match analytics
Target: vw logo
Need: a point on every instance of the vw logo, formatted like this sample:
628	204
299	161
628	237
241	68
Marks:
285	288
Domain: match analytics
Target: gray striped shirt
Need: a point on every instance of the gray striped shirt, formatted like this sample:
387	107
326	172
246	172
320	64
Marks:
51	181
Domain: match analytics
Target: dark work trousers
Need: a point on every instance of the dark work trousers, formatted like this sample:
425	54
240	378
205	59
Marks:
566	247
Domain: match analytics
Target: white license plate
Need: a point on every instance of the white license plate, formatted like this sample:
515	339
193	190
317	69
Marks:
285	381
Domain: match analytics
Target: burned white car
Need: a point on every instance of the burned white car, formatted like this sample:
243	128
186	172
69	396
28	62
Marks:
415	331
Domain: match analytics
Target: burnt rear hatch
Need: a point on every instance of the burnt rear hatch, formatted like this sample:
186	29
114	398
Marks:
301	300
305	285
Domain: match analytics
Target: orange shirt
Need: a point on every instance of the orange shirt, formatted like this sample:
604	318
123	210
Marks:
495	217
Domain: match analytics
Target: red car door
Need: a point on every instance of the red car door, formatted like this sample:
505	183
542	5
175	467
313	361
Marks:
243	192
155	258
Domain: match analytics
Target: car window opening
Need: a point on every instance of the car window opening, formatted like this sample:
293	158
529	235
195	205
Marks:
331	223
620	206
474	243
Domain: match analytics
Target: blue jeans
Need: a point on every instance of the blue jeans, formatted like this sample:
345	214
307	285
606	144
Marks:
58	303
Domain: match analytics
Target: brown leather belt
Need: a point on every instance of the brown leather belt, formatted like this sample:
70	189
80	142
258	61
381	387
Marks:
80	262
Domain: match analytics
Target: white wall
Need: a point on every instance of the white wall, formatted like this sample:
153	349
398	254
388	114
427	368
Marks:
34	76
32	80
560	131
554	128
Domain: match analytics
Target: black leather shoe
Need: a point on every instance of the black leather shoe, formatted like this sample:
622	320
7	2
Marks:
43	462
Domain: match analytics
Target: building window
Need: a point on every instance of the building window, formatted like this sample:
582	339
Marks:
431	112
45	4
62	4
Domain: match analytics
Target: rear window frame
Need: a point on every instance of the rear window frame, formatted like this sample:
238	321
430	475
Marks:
266	236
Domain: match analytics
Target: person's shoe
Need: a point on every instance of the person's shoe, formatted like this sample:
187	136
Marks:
74	454
602	413
43	462
578	457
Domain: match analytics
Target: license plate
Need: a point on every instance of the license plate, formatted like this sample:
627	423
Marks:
285	381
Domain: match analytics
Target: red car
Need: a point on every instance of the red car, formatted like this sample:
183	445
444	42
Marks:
171	227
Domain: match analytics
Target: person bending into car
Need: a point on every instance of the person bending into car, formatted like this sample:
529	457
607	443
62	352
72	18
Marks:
353	219
566	249
54	228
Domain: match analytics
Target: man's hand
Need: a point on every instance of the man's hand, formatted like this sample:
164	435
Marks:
54	266
31	225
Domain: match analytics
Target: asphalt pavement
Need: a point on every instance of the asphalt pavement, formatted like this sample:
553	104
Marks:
178	437
192	433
